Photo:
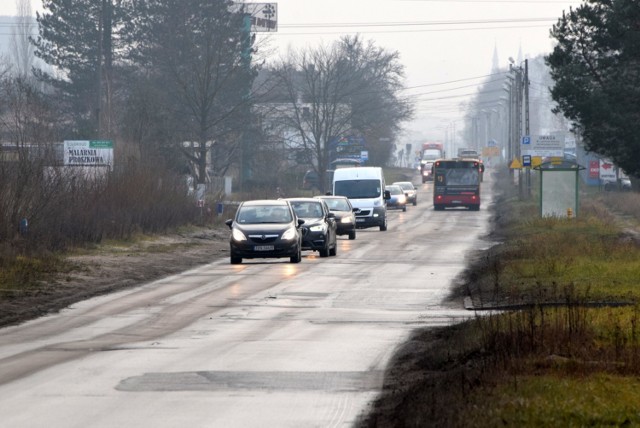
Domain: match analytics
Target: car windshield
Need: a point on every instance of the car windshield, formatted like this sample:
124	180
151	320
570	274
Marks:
263	214
305	209
406	186
358	189
394	190
338	204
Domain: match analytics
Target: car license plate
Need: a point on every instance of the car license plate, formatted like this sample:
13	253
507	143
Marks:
456	202
263	248
359	220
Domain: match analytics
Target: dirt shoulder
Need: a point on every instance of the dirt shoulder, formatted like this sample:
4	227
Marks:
111	267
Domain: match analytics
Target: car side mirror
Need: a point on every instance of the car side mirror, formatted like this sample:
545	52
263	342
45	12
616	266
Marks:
300	222
331	215
387	195
229	222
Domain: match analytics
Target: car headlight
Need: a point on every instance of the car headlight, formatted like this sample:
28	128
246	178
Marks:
317	228
289	234
376	203
402	199
236	235
345	220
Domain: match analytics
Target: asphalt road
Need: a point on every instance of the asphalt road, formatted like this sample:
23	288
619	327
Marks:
265	343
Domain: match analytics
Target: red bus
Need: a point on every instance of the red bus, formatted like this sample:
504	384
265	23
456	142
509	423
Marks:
456	183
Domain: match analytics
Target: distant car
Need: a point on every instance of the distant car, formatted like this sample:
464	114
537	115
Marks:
310	180
611	185
426	171
319	229
398	199
470	154
409	190
265	229
343	210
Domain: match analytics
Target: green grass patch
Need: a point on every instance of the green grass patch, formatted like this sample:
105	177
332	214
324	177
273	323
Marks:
23	273
555	400
569	356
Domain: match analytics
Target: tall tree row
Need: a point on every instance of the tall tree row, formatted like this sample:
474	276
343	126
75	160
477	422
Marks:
175	80
596	69
158	72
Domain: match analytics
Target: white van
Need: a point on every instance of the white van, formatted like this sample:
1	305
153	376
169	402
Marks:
364	186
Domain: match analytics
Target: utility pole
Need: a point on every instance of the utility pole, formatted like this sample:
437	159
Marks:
99	71
526	118
521	83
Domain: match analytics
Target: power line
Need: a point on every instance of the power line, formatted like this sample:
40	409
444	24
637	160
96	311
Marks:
416	23
491	1
430	30
457	87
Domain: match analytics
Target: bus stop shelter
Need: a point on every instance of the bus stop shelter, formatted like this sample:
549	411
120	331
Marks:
559	188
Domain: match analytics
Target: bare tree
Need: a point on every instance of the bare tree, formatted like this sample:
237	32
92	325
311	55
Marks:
345	89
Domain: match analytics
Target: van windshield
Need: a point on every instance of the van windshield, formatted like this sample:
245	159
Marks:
358	189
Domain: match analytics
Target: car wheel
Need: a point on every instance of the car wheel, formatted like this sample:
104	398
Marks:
334	251
235	260
352	235
415	202
297	257
438	207
324	252
383	226
404	209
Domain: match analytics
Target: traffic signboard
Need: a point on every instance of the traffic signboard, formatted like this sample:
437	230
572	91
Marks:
543	145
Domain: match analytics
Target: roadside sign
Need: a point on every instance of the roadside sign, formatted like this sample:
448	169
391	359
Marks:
607	171
515	164
594	169
88	153
526	160
543	145
264	16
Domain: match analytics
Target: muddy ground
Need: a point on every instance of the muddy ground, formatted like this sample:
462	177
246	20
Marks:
110	268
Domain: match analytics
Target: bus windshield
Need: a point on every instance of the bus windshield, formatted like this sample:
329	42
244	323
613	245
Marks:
461	177
457	173
456	184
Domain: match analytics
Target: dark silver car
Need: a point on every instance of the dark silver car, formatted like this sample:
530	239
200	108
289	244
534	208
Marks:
343	210
409	190
319	229
265	229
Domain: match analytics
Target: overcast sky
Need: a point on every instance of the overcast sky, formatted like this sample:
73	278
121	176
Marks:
446	46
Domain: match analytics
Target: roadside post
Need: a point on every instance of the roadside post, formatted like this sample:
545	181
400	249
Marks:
559	188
